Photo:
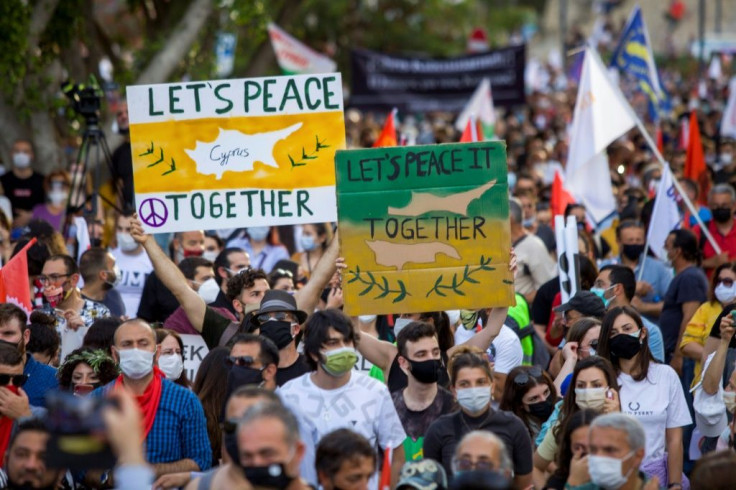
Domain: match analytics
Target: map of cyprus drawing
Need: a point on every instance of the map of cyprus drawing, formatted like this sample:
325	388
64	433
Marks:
424	228
236	153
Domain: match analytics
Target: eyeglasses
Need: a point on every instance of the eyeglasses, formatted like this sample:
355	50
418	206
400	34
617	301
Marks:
282	273
728	282
275	315
525	376
466	464
18	379
244	361
52	278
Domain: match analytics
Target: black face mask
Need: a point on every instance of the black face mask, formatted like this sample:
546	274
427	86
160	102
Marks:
231	446
278	331
632	252
624	346
426	371
542	410
242	376
721	215
27	486
270	476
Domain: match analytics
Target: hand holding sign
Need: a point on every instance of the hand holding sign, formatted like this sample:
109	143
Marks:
136	230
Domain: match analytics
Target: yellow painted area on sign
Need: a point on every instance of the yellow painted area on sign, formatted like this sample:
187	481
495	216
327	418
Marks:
304	158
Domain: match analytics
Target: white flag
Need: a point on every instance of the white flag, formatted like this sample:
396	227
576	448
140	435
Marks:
728	123
598	120
295	57
665	215
480	105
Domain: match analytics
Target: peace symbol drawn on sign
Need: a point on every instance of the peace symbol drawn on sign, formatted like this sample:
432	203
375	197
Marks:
153	212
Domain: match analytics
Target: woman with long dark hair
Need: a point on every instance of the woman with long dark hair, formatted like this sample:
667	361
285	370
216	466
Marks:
531	395
210	386
573	443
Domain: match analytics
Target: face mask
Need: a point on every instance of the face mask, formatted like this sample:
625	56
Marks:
632	252
171	365
279	331
210	255
606	472
339	361
307	242
58	197
258	233
721	215
453	315
593	398
625	346
512	180
542	410
426	372
601	293
474	400
243	376
366	319
528	223
55	294
21	160
270	476
113	277
725	294
126	242
399	325
726	158
136	363
209	290
729	398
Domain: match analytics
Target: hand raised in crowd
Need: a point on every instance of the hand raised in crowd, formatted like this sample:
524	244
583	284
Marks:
612	403
570	351
727	329
513	265
335	298
136	230
14	406
73	320
578	470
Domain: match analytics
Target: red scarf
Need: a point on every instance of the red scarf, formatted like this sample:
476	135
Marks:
149	400
6	427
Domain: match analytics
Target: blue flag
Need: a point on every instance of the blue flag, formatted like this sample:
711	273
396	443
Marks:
634	56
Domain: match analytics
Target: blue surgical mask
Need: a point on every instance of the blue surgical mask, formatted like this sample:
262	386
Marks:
601	293
307	242
258	233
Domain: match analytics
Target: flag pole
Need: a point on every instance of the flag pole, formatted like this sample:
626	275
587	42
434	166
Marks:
660	158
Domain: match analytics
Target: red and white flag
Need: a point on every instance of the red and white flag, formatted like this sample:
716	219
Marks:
14	284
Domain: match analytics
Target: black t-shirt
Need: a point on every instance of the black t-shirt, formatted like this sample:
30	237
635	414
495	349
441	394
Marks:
122	168
23	193
715	330
547	235
222	302
157	302
300	367
416	423
541	310
689	285
444	434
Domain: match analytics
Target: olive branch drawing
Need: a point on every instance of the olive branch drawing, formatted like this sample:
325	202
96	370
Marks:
312	156
455	284
151	150
383	285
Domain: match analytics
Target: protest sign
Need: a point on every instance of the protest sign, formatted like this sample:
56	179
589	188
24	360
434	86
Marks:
381	82
424	228
195	349
234	153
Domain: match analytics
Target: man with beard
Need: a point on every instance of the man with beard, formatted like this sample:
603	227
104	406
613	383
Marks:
24	464
100	275
74	314
14	331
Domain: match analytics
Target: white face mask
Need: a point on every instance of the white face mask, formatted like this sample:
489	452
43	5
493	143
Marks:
593	398
209	290
171	365
729	398
210	255
399	325
606	472
126	242
21	159
474	400
366	319
307	242
136	363
724	294
58	197
258	233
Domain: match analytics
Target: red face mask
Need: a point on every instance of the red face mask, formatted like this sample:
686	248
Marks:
193	253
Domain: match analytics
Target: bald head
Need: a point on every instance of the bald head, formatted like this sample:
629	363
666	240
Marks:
484	447
134	334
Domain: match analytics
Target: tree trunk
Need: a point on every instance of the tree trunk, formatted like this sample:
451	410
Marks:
264	56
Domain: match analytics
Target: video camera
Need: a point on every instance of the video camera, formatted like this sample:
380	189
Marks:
86	99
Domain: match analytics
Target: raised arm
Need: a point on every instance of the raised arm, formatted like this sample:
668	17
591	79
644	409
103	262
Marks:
714	374
170	275
378	352
483	339
307	297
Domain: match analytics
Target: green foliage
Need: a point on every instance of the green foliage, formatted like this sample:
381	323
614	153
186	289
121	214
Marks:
62	30
15	17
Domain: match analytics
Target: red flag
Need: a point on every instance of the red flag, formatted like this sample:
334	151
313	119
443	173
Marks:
14	285
472	131
660	139
695	167
388	134
560	197
385	483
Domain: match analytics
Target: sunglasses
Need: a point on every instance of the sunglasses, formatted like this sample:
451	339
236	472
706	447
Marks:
244	361
277	315
229	426
17	379
525	376
282	273
728	282
465	464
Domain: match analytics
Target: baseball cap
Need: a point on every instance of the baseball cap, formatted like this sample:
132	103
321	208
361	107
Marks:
586	303
425	474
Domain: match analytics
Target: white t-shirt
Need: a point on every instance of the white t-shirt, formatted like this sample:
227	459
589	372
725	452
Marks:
362	405
535	266
505	349
134	270
658	402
